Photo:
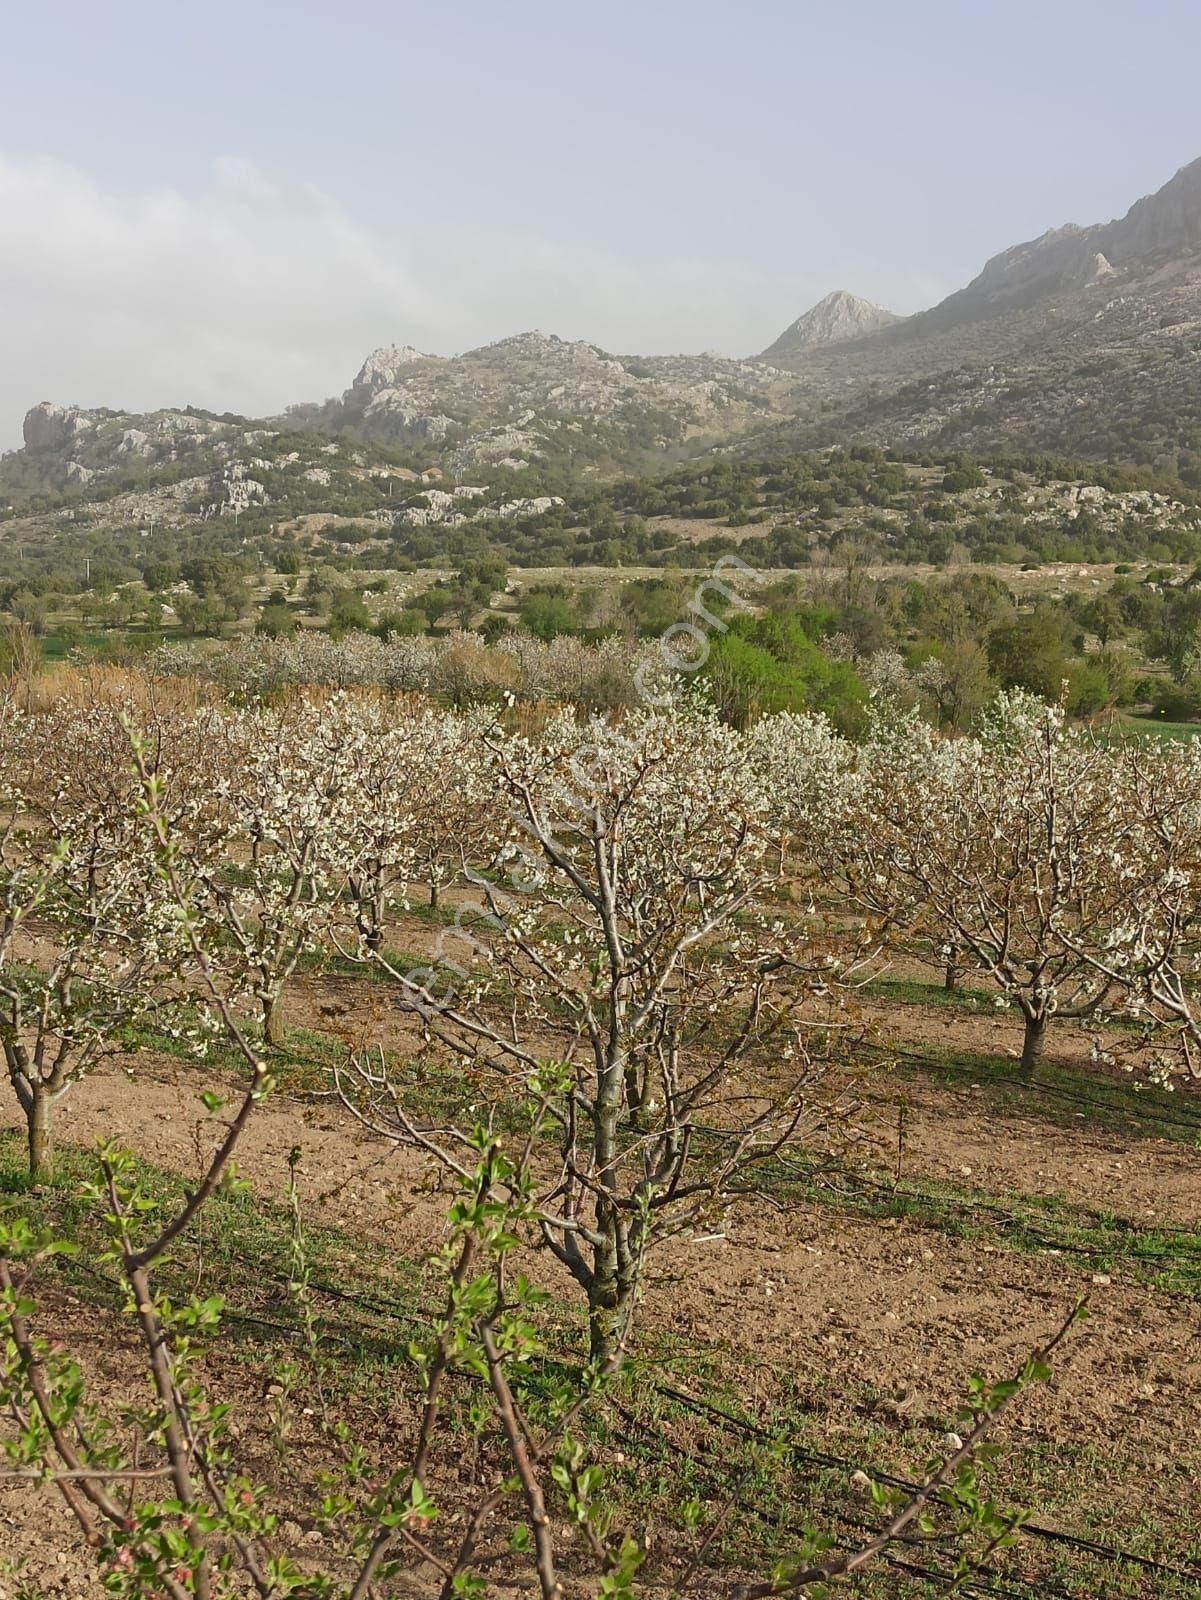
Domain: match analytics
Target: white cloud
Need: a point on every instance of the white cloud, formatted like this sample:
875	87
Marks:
246	294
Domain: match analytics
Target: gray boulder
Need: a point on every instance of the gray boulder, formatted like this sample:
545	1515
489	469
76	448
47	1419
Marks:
49	428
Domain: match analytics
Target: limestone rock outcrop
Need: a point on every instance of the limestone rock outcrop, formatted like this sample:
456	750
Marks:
49	428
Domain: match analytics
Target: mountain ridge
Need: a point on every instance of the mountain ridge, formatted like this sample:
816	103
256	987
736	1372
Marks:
1085	341
1066	258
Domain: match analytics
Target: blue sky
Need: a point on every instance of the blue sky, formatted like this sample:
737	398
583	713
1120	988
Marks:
233	203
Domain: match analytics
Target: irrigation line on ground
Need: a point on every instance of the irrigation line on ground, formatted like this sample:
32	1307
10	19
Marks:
820	1458
743	1425
985	1581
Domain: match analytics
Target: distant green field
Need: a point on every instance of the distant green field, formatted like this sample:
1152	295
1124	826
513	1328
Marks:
1159	726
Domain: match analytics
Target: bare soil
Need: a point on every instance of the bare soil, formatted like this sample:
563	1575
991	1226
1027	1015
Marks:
878	1317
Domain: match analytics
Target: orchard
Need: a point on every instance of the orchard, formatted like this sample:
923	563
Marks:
611	976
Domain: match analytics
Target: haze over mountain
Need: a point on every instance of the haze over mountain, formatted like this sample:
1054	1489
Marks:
1160	228
224	206
532	400
1085	341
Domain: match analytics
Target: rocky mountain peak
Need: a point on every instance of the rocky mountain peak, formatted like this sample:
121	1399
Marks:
536	396
384	366
1160	227
1080	341
546	349
1167	221
838	317
533	339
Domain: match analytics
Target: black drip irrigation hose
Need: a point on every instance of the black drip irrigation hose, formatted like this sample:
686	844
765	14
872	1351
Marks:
985	1583
749	1429
800	1452
985	1580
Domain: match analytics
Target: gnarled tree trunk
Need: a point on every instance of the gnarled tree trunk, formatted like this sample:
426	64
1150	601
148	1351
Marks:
1032	1044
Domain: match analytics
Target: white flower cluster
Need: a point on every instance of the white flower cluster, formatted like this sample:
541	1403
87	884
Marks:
627	864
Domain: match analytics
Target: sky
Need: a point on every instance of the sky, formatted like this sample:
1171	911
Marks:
231	204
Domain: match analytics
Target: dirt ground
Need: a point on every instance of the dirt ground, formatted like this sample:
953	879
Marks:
893	1312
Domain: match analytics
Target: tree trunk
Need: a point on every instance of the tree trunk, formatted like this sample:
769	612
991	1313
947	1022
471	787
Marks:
950	980
433	897
273	1020
608	1298
638	1092
606	1319
41	1140
1032	1044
